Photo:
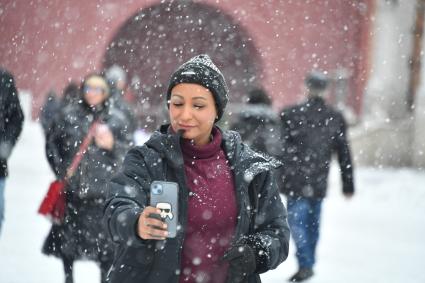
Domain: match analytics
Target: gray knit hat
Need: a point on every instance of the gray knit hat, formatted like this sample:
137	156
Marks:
114	74
201	70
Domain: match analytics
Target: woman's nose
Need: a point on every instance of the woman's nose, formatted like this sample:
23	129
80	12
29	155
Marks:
186	113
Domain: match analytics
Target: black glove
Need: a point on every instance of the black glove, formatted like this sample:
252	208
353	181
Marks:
242	263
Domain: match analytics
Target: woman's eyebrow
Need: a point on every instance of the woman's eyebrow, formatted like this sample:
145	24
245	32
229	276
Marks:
193	98
178	95
199	97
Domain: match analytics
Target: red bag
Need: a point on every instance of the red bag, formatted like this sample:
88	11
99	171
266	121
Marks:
53	204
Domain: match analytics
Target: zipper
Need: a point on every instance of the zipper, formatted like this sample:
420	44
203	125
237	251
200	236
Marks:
183	198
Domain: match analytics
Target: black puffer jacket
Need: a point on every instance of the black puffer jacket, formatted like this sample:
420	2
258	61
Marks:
313	132
82	235
160	158
11	118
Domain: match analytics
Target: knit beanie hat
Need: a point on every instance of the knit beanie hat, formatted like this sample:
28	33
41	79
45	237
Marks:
201	70
114	74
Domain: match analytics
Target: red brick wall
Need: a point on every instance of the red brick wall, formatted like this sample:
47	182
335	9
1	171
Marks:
47	43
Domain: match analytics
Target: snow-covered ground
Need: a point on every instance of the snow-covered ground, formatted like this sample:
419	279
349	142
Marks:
378	236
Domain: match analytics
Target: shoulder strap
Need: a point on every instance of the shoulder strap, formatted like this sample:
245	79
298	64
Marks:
81	151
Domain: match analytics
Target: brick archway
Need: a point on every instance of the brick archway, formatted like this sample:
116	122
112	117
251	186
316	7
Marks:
157	39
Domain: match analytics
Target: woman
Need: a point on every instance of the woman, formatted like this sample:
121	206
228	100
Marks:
81	235
232	221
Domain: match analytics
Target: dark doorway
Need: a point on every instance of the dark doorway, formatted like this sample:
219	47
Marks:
157	39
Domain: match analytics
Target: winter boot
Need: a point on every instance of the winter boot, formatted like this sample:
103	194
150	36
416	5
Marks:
302	275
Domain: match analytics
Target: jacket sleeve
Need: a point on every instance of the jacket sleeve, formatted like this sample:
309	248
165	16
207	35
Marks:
285	136
271	234
344	158
14	118
127	198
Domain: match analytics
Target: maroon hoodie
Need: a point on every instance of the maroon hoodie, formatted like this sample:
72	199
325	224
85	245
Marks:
212	211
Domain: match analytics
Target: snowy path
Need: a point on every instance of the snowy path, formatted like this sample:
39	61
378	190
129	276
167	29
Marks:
378	236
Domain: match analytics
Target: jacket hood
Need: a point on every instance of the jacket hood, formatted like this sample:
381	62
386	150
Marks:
167	144
243	159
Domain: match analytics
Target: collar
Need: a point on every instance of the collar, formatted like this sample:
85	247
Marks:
190	150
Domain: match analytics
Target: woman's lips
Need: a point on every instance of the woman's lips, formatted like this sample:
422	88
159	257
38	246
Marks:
185	127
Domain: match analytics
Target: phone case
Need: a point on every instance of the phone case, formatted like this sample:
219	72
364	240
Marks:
164	195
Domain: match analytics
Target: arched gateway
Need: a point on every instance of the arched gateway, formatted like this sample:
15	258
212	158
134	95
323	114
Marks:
157	39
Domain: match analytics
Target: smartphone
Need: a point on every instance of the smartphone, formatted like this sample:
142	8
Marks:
164	195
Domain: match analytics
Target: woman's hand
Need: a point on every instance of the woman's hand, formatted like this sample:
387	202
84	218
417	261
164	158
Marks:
150	228
103	137
242	263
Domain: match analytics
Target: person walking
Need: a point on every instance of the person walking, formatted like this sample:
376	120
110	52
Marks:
232	222
259	125
81	234
312	132
11	121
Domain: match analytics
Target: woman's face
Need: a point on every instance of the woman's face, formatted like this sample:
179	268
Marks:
192	109
95	91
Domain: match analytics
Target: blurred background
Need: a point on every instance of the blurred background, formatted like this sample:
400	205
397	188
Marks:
370	49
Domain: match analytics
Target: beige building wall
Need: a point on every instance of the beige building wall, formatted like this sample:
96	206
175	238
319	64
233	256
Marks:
418	145
388	134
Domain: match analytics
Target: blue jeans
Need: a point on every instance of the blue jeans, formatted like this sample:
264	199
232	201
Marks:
304	221
2	184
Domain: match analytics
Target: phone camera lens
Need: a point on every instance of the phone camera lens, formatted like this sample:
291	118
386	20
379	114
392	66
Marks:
157	189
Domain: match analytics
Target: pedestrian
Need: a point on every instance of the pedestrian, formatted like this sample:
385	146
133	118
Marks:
258	124
231	218
11	120
117	81
81	234
313	131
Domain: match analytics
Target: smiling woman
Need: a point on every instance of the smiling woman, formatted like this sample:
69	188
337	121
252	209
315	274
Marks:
231	228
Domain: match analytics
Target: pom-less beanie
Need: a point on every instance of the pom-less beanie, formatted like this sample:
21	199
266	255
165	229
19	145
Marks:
201	70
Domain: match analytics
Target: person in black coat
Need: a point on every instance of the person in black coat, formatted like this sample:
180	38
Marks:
81	235
259	125
232	222
11	120
313	132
